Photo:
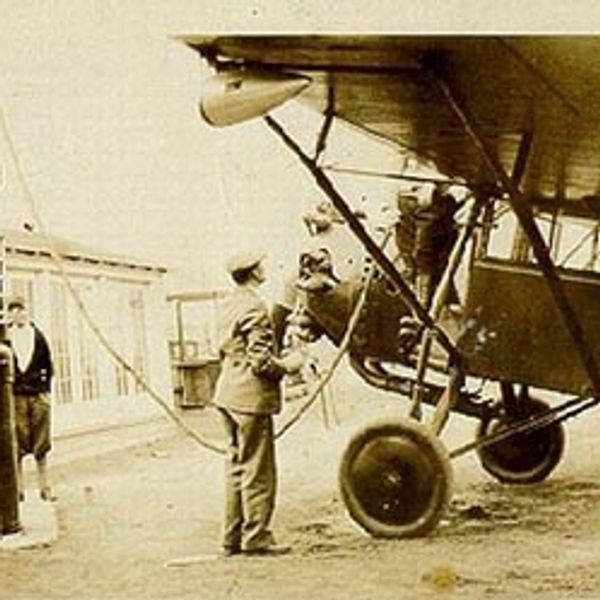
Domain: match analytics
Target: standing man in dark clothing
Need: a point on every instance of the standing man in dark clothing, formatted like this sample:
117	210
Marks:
248	394
33	374
425	235
436	234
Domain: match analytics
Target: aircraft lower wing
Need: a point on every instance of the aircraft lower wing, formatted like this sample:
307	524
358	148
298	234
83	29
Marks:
543	89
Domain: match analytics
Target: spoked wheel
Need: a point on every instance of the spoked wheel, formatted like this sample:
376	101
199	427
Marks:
395	479
522	458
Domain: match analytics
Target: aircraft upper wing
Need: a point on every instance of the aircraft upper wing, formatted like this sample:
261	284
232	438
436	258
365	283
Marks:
548	85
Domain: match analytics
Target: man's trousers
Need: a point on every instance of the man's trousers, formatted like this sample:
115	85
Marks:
250	481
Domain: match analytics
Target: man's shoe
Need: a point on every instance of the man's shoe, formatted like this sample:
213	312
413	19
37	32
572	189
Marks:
274	550
228	551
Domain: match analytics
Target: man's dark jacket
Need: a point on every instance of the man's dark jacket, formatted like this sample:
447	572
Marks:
38	375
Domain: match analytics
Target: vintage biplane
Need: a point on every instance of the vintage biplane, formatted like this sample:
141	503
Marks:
516	120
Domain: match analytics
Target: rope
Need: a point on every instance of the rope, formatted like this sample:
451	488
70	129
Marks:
343	347
118	358
57	259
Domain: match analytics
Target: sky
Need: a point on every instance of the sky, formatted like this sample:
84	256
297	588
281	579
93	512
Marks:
102	105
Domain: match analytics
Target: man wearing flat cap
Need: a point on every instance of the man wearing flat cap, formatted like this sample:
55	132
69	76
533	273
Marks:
248	395
31	388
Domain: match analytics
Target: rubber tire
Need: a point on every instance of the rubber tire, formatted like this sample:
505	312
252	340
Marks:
512	461
417	461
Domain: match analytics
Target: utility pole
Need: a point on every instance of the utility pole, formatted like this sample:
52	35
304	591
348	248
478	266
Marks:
9	494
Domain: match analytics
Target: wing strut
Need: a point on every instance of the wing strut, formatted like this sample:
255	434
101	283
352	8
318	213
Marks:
452	391
329	114
367	241
527	222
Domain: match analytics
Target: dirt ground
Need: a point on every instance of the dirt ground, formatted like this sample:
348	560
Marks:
123	514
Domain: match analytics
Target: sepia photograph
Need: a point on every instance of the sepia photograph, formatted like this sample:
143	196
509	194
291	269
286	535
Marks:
299	301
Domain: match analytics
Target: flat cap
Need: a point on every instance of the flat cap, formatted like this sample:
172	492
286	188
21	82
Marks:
16	301
242	261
